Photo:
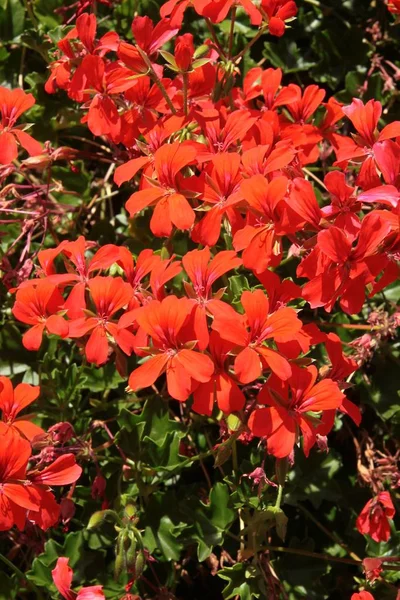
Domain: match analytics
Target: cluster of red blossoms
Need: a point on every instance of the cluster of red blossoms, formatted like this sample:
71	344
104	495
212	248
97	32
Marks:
25	493
223	162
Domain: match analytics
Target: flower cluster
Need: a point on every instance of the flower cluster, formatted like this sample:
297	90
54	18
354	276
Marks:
226	165
218	165
25	494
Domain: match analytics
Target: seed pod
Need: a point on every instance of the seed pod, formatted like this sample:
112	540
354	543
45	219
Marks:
140	564
98	517
131	555
120	554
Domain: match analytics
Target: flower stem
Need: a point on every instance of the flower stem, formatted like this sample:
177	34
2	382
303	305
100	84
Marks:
211	29
232	30
157	80
22	577
279	497
185	79
250	44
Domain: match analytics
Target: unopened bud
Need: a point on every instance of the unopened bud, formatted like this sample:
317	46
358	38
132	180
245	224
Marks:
140	564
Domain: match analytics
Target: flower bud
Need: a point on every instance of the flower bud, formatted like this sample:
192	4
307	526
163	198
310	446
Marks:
184	51
98	487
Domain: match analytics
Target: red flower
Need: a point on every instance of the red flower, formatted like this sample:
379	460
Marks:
306	103
15	497
12	402
25	495
344	203
135	273
271	81
172	349
215	10
78	43
362	596
372	568
184	51
167	192
361	147
337	269
84	269
260	240
150	38
222	132
13	103
374	517
39	305
222	387
250	332
220	192
62	576
203	272
278	12
63	471
288	404
109	295
394	6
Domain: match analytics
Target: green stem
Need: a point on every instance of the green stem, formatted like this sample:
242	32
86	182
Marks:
30	12
250	43
331	535
211	29
316	179
232	30
308	553
21	576
185	78
279	497
157	80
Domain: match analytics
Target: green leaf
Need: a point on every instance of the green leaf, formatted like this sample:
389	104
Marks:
209	521
244	581
152	437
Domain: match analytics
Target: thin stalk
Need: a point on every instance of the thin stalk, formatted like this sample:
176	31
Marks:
308	553
316	179
250	44
211	29
157	80
232	30
279	497
31	14
331	535
185	78
21	576
348	326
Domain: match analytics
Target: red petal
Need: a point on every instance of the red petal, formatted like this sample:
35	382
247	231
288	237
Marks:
63	471
247	365
145	375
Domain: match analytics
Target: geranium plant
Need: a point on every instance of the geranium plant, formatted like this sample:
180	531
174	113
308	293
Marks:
200	270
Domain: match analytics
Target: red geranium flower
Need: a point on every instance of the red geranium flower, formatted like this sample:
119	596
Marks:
167	192
27	495
278	12
12	401
288	404
250	331
203	272
109	295
13	103
172	349
362	596
40	305
374	517
222	387
62	576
